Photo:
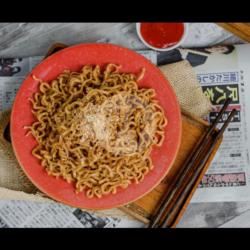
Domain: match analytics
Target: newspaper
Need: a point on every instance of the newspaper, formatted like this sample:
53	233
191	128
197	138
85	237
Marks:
24	214
222	72
12	74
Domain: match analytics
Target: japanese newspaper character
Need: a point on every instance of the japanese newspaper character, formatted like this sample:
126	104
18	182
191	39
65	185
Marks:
209	92
222	97
218	77
233	77
212	78
204	78
226	77
233	93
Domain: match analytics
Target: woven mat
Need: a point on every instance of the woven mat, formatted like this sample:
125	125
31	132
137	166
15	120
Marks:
14	185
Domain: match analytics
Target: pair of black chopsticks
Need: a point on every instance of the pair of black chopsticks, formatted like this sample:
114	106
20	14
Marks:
173	201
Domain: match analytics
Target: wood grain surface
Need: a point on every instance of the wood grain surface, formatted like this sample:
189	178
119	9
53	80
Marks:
241	30
192	129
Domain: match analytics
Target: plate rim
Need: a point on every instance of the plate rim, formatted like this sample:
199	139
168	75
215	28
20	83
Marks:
66	202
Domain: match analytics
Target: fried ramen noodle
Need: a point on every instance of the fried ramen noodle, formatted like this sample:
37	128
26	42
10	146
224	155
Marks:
96	128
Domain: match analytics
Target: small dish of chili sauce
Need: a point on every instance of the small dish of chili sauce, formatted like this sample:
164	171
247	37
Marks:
162	36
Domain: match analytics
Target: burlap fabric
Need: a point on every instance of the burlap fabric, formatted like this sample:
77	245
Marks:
187	89
14	185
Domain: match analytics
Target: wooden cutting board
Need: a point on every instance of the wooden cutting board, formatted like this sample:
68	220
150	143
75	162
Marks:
192	129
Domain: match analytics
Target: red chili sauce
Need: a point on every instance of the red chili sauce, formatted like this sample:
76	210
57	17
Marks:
162	35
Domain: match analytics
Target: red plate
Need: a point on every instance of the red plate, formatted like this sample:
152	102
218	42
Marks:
74	58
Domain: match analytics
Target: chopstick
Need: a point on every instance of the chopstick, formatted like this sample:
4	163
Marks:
188	165
194	177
